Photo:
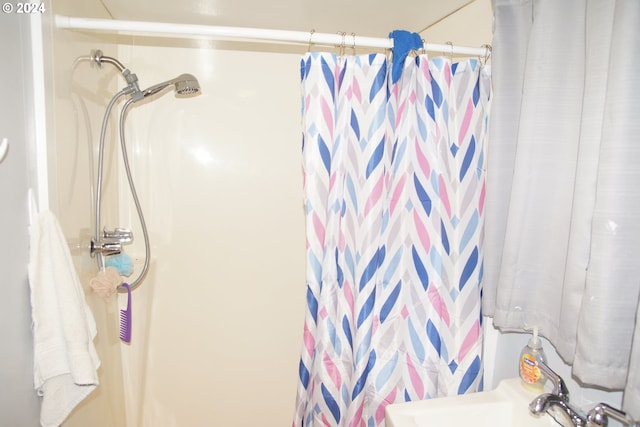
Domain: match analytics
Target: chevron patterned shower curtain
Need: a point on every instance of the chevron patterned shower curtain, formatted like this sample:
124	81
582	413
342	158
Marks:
394	197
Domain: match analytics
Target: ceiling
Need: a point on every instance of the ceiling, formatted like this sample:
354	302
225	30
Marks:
373	18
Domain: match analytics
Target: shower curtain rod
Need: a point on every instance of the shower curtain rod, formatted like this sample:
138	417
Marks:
309	37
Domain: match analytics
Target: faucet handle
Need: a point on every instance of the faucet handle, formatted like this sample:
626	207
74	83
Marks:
559	387
599	416
122	235
105	248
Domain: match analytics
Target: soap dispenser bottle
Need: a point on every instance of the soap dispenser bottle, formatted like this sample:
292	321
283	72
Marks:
530	373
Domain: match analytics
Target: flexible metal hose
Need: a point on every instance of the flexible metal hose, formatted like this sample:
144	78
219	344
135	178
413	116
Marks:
132	187
98	194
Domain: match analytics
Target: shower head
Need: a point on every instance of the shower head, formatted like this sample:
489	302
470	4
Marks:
184	84
187	84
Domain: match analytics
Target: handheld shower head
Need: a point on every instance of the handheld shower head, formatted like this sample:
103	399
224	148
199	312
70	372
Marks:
187	84
184	84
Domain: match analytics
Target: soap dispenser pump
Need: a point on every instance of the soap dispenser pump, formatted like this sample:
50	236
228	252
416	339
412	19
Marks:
532	354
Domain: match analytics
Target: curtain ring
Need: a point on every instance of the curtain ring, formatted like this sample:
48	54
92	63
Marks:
451	52
310	37
342	42
353	44
423	50
487	54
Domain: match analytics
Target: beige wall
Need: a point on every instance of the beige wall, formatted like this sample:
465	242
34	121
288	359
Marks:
470	26
220	181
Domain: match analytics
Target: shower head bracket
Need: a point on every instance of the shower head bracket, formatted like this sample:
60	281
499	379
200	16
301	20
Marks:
132	80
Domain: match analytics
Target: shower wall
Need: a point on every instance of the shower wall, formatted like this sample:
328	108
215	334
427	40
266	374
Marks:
218	324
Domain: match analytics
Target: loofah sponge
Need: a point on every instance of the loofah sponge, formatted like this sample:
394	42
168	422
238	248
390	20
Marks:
105	283
121	262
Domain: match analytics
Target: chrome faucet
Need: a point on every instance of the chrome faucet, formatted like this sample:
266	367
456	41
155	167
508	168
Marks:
556	403
111	242
559	409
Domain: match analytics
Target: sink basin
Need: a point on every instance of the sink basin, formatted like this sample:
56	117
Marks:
506	406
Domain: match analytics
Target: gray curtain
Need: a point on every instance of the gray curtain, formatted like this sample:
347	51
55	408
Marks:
563	183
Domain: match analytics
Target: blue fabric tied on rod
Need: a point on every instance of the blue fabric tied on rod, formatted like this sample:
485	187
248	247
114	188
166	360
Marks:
403	43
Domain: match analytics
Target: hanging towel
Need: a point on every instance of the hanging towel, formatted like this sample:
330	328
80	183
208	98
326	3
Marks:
65	359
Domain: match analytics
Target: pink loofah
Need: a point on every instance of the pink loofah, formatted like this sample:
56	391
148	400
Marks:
105	283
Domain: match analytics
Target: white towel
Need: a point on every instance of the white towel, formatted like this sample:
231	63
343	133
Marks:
65	359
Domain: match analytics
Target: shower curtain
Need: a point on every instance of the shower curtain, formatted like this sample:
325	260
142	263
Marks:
563	200
394	198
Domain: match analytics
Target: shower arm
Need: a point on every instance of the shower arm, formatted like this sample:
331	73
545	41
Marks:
97	57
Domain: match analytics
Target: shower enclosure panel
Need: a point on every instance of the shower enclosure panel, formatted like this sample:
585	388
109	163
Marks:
218	320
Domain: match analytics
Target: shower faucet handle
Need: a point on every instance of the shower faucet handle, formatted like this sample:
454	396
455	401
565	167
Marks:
105	248
122	235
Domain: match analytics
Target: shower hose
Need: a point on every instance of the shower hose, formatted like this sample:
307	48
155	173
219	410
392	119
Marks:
135	283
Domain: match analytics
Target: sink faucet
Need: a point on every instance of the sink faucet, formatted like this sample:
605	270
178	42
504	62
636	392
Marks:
559	409
556	403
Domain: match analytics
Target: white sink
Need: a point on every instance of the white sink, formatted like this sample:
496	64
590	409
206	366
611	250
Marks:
506	406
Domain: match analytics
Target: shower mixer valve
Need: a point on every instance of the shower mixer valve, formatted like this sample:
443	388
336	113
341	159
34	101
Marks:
111	242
